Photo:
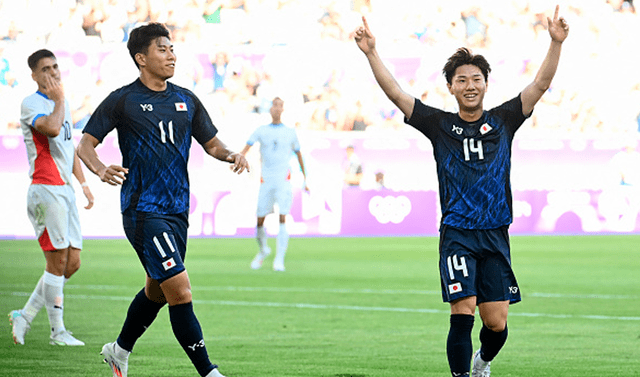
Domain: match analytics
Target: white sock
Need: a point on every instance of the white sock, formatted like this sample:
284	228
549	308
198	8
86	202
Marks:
35	302
54	300
261	236
283	242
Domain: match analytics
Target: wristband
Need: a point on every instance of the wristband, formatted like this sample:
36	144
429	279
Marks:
84	184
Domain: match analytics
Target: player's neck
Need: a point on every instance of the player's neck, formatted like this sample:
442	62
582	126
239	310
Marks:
154	83
470	115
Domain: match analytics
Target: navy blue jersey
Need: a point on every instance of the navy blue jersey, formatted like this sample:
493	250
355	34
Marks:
473	162
154	133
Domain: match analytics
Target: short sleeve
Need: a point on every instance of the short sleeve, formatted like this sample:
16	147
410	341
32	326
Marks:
423	119
105	118
203	128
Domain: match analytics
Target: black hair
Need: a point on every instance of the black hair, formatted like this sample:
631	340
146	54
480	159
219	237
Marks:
35	58
141	37
464	56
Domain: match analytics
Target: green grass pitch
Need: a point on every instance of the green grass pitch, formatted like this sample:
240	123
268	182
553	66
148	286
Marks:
345	307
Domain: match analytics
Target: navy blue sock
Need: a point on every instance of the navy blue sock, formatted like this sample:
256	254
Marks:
492	342
141	314
459	345
187	330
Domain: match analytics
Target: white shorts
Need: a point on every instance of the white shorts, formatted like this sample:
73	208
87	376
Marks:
54	216
274	192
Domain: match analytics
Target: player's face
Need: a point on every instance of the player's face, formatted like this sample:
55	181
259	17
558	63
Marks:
277	107
46	67
468	86
160	59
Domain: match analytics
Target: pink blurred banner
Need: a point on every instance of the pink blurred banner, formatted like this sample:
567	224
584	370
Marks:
559	187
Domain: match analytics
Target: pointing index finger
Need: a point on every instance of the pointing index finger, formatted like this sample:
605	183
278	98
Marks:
555	15
364	22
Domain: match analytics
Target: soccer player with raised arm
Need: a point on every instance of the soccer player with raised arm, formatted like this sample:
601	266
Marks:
472	149
156	122
277	143
51	202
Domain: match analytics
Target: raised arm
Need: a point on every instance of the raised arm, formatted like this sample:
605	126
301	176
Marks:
558	30
218	150
367	44
113	175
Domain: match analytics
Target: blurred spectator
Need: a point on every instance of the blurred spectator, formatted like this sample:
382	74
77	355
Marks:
238	38
379	180
219	65
353	168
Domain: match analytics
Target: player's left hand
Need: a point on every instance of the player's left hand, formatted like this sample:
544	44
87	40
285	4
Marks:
238	163
558	27
87	193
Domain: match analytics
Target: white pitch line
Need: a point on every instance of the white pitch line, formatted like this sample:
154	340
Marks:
341	307
340	290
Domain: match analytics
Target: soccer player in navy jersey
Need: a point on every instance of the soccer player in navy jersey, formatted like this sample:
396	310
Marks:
472	149
155	121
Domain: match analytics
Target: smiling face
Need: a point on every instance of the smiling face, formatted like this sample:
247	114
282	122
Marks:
468	86
159	60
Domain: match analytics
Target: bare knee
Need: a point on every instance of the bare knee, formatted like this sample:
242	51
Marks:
153	291
56	261
495	326
177	290
72	268
494	315
73	262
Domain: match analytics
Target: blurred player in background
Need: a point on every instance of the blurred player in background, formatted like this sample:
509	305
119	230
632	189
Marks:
473	155
625	165
51	201
277	142
155	121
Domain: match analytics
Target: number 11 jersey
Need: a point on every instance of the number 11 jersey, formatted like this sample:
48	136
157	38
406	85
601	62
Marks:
154	134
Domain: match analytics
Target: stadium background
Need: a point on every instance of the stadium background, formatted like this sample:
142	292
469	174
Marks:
237	55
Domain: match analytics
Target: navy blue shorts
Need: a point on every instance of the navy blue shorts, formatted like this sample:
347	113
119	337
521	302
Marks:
159	240
477	263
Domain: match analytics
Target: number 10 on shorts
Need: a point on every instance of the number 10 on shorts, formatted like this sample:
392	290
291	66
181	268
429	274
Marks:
457	264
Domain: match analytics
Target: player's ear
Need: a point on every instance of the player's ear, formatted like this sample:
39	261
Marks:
141	59
449	87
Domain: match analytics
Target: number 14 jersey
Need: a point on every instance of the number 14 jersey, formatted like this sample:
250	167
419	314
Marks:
473	162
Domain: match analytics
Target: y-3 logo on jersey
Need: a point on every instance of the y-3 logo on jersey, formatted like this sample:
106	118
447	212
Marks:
457	129
146	107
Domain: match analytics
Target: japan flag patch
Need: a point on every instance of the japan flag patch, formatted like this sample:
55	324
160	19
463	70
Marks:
181	106
485	128
169	264
455	288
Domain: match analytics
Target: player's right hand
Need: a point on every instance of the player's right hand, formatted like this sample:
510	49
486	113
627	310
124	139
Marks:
113	175
364	38
53	89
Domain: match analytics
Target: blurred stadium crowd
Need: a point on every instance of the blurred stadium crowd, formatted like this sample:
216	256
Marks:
238	54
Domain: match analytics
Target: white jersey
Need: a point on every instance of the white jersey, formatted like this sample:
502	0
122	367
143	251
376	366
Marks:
50	158
277	143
